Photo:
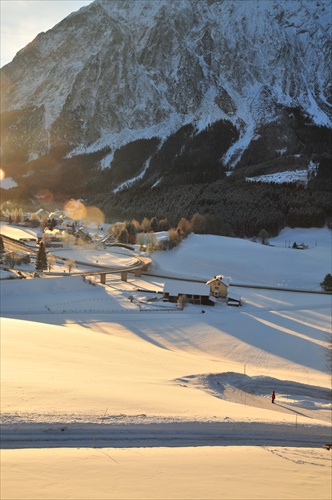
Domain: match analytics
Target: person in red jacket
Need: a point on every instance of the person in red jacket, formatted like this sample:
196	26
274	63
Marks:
273	396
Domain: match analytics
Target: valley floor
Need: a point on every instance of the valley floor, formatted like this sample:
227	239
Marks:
102	398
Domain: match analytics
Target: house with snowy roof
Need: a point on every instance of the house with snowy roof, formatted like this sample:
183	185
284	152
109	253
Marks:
218	287
83	235
108	240
188	291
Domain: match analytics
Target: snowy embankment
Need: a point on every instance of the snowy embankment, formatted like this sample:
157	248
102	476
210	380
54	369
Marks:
244	262
144	398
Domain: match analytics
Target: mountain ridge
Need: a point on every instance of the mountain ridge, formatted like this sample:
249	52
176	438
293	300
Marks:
200	87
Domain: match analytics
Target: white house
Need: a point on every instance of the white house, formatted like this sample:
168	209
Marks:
218	287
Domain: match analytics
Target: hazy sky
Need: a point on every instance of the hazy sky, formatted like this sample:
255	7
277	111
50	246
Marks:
22	20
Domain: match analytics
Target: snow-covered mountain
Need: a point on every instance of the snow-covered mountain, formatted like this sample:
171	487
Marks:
137	91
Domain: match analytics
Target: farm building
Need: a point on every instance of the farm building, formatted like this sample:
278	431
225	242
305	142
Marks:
218	287
235	300
82	235
108	240
194	293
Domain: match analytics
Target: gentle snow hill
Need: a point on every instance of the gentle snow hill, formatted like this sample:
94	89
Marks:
117	402
202	257
56	295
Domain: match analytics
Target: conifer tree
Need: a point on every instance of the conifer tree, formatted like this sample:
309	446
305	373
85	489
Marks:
154	225
41	259
132	232
326	284
2	249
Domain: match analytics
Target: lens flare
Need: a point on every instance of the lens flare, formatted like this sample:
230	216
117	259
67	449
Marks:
44	196
94	215
75	209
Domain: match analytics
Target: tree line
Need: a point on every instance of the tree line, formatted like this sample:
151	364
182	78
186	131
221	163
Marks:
240	209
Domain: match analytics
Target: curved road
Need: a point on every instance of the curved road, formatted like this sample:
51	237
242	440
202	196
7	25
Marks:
140	263
144	262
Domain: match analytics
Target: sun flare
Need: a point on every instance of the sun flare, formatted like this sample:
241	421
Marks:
75	209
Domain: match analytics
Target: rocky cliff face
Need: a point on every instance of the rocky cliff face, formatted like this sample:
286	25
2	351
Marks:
143	91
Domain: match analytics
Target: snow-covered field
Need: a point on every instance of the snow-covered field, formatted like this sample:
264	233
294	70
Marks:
109	393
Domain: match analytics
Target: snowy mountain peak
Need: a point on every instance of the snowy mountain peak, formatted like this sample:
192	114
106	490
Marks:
119	71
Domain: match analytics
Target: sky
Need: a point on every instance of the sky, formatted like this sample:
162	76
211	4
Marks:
22	20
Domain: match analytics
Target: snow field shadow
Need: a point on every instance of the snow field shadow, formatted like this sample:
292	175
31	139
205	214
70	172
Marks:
291	397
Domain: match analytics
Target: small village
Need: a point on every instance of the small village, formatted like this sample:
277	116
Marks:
57	231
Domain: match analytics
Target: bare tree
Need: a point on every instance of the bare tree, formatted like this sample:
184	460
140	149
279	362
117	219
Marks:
2	246
164	225
68	239
181	301
264	237
70	264
184	227
123	236
10	260
50	262
151	243
46	238
141	240
145	225
173	238
198	223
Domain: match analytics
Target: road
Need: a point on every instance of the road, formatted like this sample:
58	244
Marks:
143	262
140	263
110	432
